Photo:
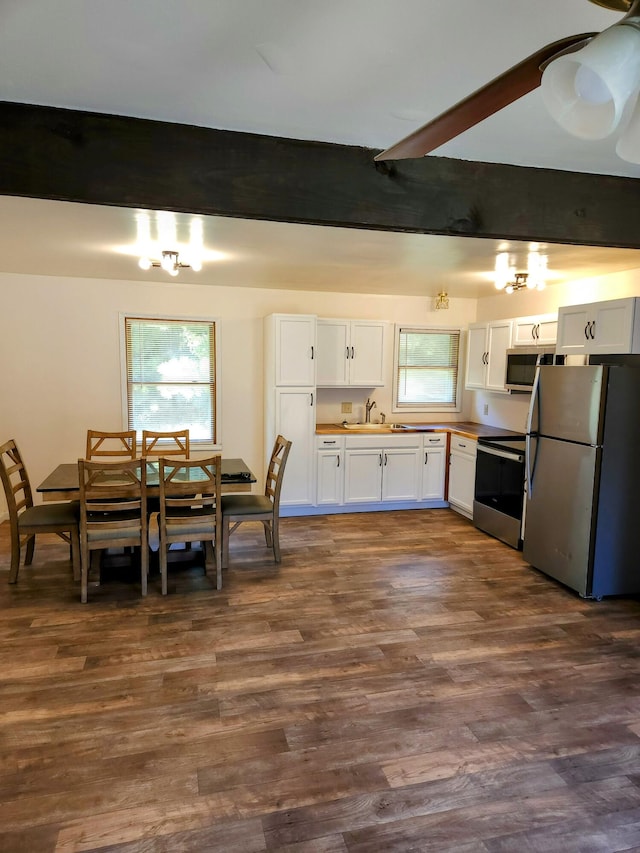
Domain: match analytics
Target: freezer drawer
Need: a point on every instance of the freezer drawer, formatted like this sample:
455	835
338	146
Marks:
560	510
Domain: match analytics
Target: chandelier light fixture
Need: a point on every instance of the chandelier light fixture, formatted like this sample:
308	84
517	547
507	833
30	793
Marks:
507	279
170	263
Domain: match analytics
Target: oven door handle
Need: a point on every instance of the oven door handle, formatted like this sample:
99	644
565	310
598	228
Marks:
505	454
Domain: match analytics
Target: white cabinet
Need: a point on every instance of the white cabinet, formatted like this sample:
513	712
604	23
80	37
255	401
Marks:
330	470
290	349
534	331
606	327
487	347
294	418
382	468
462	474
350	352
434	458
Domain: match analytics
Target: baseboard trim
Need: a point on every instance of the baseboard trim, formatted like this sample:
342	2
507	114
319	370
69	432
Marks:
297	511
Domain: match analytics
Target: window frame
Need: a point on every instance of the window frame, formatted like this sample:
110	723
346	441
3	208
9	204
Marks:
399	408
196	445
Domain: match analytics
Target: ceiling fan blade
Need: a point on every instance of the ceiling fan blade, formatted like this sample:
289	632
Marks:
499	93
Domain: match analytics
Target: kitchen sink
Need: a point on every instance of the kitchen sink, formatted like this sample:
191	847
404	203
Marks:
373	426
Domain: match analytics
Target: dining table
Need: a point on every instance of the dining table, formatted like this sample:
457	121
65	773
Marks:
63	483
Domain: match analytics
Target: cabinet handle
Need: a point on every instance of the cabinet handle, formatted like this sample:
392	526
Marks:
311	353
593	330
533	332
352	353
586	331
329	442
538	331
434	440
380	460
460	444
347	352
338	461
311	395
385	458
426	457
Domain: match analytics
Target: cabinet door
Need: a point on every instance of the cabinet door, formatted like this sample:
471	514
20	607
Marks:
366	354
498	342
524	331
573	327
462	477
476	357
333	352
433	472
295	340
547	330
362	475
330	477
401	473
612	326
295	420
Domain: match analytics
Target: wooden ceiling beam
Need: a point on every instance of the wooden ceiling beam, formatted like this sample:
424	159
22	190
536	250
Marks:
77	156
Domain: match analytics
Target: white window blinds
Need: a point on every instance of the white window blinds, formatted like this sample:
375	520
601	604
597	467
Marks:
171	376
427	368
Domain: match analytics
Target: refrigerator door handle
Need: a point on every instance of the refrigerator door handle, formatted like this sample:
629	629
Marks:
534	399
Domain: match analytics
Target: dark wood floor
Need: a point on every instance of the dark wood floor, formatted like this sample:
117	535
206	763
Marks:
401	682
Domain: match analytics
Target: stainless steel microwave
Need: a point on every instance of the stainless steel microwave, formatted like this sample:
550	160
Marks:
522	363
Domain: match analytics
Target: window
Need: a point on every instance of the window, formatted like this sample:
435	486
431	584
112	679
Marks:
426	374
171	376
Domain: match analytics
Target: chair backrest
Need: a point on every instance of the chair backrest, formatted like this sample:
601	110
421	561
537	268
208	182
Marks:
15	481
191	485
275	472
112	498
165	443
116	445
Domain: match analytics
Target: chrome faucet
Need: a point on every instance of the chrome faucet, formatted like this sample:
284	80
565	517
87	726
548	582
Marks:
368	406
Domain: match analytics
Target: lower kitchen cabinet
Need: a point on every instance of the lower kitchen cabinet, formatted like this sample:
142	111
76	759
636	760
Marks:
434	464
462	474
330	470
378	470
294	418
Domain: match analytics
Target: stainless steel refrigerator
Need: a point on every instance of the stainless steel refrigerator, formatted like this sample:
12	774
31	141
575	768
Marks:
582	521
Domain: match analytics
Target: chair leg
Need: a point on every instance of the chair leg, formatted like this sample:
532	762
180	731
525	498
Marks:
144	564
31	547
217	552
15	558
75	554
85	557
275	535
225	543
268	533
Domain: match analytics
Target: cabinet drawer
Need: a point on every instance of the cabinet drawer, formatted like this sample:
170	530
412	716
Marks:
330	442
435	440
460	444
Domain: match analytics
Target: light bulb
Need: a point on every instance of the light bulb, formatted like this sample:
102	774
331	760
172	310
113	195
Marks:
196	265
167	262
173	271
509	288
144	263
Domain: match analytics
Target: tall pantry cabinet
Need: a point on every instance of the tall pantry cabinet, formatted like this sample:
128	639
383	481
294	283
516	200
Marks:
290	399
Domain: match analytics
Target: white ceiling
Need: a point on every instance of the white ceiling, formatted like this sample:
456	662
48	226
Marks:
363	72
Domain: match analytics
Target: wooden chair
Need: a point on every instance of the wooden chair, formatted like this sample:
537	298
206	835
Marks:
113	512
27	520
185	517
114	445
237	508
165	443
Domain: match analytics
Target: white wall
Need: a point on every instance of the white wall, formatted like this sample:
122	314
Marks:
510	411
60	356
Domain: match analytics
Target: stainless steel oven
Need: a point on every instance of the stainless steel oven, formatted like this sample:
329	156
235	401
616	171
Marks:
499	488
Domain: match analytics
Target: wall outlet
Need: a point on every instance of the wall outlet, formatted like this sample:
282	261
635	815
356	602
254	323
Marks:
346	408
486	408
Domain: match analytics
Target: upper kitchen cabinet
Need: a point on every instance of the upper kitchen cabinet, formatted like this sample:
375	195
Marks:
350	352
599	327
290	349
487	347
535	331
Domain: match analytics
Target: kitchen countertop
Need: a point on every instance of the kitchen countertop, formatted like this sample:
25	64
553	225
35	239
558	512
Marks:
464	428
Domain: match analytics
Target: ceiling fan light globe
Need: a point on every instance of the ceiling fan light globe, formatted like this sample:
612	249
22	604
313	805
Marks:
586	92
144	263
628	146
